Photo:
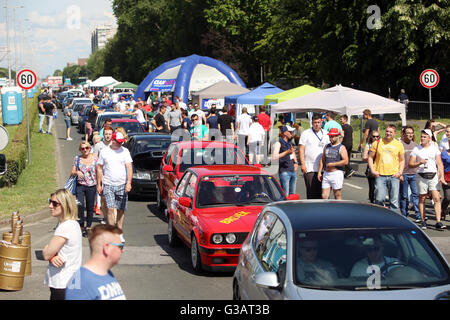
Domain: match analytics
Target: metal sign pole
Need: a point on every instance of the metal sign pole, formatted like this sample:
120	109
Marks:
431	108
28	129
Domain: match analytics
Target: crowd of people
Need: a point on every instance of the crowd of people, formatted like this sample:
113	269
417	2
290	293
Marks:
409	172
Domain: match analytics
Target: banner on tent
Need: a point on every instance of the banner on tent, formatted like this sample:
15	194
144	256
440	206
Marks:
207	103
164	85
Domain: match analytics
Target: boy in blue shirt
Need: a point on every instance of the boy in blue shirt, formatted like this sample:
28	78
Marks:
94	280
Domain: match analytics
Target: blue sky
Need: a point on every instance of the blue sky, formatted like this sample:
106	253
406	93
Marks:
55	31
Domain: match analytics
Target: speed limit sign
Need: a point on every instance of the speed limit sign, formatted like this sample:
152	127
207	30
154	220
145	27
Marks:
429	78
26	79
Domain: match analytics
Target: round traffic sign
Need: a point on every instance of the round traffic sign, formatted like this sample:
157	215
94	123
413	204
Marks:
26	79
429	78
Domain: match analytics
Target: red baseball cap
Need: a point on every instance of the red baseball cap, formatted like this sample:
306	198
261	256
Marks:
118	136
334	132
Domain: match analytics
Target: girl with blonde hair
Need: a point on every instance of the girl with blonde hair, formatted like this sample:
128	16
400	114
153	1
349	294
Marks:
64	251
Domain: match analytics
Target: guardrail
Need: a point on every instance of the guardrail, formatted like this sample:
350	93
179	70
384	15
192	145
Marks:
421	110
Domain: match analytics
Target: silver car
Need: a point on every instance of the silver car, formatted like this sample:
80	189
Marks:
321	249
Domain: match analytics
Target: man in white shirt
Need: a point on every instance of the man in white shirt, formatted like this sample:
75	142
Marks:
139	114
311	146
255	140
427	158
114	175
243	123
198	112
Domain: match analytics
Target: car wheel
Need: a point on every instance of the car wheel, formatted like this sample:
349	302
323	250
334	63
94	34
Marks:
236	294
174	241
159	201
195	255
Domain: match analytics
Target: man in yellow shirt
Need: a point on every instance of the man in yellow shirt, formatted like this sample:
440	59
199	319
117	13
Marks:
386	163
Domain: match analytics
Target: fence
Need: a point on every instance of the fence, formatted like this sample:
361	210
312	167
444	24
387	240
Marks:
421	110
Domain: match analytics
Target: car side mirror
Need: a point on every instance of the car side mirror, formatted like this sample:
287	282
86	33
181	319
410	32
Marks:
267	280
185	202
3	165
168	167
294	197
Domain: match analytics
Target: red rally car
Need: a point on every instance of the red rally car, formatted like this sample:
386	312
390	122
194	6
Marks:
183	155
213	208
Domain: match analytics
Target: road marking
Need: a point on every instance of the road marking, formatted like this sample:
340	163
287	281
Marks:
154	255
352	186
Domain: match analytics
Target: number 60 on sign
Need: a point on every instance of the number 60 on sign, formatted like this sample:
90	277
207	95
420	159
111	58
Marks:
26	79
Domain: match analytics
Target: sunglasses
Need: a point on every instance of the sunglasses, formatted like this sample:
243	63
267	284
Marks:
376	137
85	148
120	245
53	202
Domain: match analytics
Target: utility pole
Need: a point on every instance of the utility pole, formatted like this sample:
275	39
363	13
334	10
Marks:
7	41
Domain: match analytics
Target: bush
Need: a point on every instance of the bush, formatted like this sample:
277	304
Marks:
17	151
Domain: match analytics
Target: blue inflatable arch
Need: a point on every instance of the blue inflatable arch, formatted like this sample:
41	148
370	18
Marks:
183	80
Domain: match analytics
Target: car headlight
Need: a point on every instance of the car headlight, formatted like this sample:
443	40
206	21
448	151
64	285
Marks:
142	175
230	238
154	175
217	238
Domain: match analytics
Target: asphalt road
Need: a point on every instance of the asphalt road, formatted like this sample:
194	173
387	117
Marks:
149	269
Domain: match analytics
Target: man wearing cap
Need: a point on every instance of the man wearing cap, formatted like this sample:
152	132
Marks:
334	158
386	163
427	158
284	152
311	144
114	174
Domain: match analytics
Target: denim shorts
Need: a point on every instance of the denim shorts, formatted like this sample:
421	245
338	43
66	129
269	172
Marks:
68	123
115	197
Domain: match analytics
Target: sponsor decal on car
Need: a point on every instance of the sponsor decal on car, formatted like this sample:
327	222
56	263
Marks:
235	217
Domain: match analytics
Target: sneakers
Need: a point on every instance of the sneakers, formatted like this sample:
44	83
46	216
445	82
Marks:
423	225
440	226
418	220
350	173
42	131
122	239
69	139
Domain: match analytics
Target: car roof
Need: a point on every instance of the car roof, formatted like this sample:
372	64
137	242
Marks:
203	144
124	120
226	169
339	214
155	135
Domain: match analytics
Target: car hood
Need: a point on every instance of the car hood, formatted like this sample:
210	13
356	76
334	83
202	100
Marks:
226	219
410	294
148	161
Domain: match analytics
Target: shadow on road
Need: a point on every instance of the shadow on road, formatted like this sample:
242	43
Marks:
181	256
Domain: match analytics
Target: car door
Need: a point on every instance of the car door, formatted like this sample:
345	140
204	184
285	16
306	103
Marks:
186	212
174	205
166	178
262	244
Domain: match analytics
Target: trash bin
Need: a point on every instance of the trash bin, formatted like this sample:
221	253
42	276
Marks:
12	108
13	260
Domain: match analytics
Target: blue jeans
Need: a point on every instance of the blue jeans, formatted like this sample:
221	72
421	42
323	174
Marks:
409	180
390	184
288	180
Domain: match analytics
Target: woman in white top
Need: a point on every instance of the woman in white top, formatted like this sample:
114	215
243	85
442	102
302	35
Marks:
64	249
242	127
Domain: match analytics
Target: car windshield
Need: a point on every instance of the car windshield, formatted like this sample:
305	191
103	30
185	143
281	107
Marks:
146	145
238	190
209	156
102	118
130	127
367	260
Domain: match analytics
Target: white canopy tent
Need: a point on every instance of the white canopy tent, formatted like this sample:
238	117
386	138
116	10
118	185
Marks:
104	82
341	100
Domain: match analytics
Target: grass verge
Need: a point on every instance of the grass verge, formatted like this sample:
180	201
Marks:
36	181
